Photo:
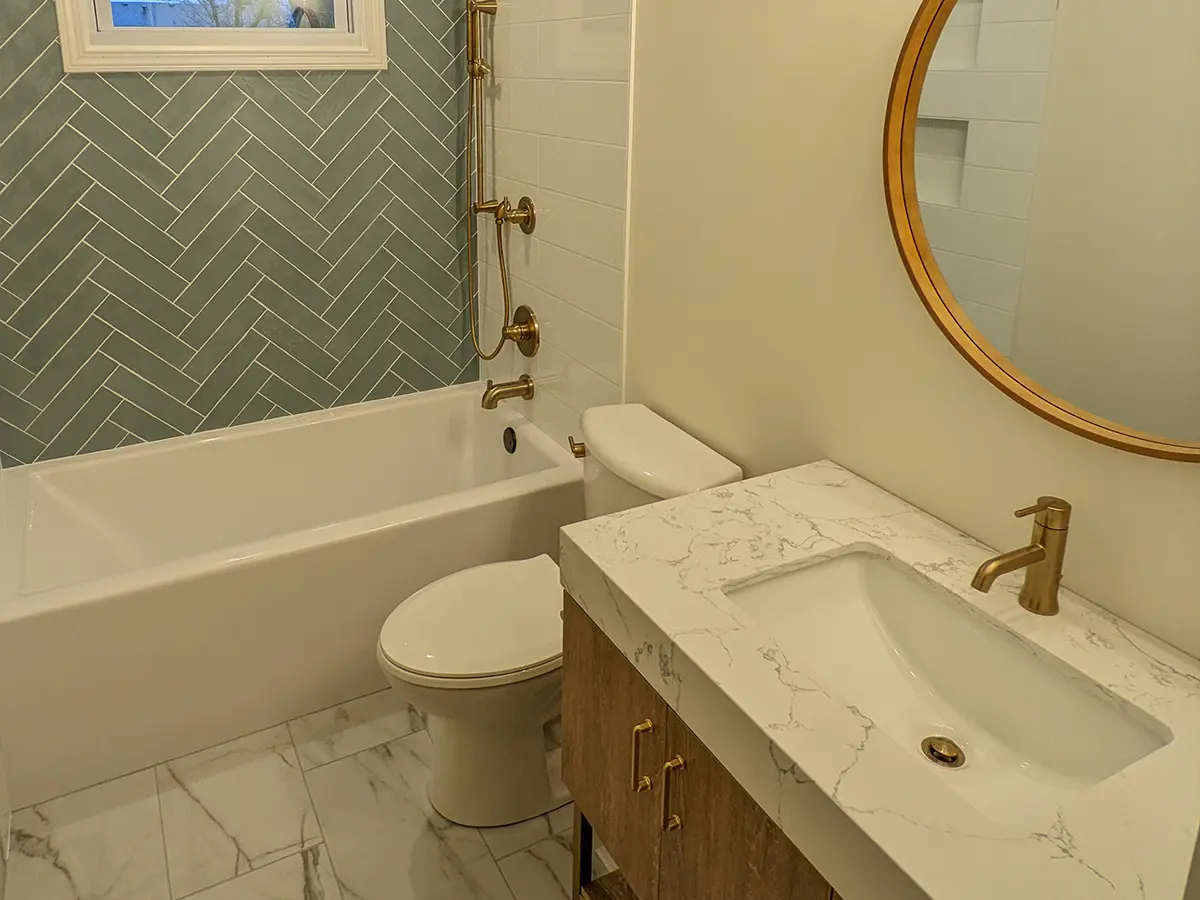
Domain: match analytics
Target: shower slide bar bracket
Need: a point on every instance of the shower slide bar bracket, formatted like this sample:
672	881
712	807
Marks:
521	329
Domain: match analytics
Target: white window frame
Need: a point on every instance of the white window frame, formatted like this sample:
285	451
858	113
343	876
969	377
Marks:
358	42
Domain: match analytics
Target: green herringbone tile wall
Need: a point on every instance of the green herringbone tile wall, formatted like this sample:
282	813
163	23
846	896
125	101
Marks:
181	252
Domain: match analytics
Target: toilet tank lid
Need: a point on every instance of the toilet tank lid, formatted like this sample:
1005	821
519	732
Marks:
640	446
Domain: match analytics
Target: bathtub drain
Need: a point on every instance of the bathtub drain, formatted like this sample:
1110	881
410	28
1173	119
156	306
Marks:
510	440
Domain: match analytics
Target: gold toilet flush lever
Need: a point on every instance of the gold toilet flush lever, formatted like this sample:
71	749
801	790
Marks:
1042	559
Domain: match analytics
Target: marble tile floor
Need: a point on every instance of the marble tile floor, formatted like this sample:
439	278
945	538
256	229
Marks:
331	806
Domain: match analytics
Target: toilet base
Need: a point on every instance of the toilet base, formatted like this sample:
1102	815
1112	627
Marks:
490	763
485	775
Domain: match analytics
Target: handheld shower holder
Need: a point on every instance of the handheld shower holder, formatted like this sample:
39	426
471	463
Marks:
523	330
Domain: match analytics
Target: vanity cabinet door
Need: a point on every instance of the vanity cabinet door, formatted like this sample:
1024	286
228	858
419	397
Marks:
725	845
604	700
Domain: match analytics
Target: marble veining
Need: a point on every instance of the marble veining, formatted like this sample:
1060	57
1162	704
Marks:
388	841
332	734
239	822
102	842
306	875
510	839
653	579
233	808
543	870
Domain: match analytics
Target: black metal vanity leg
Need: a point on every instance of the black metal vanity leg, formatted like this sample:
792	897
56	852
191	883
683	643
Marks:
581	868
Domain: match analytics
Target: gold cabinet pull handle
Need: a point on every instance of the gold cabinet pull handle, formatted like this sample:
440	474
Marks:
639	782
670	821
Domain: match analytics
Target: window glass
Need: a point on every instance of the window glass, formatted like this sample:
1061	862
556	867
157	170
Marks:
222	13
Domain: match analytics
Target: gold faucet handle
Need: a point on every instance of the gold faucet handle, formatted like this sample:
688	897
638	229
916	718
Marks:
1051	512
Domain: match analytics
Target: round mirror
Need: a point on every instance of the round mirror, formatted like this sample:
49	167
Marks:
1043	176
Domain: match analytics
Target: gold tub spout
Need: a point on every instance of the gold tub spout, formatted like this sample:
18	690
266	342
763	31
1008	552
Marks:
522	389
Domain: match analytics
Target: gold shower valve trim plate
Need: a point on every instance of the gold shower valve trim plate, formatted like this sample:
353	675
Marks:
525	331
523	214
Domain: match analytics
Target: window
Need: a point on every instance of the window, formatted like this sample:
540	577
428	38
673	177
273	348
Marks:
217	13
198	35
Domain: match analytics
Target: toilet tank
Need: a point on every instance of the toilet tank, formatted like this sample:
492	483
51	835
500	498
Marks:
636	457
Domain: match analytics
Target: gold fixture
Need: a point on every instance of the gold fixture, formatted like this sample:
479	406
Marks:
521	389
578	448
1043	558
638	782
524	331
523	214
944	752
899	158
670	821
504	213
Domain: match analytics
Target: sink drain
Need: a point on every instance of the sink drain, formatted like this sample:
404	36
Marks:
943	751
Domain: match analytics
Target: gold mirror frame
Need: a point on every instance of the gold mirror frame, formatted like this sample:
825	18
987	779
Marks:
901	186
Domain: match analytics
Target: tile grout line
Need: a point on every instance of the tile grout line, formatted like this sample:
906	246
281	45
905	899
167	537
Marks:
84	104
50	48
420	156
378	148
94	146
203	190
70	165
82	281
28	162
212	746
176	175
162	829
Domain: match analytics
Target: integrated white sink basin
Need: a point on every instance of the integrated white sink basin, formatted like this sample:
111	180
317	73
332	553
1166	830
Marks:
918	661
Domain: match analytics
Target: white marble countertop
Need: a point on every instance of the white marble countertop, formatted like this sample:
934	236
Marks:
652	579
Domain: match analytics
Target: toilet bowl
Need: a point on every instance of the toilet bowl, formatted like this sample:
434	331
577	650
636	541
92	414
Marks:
480	651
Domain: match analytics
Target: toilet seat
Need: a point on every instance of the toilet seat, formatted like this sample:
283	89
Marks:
486	626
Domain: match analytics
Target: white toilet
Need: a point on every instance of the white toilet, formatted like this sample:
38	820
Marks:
480	651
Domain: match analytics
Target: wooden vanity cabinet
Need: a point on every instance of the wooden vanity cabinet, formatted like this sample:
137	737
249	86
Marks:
604	700
725	845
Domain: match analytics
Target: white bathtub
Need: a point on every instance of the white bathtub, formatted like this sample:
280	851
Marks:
163	598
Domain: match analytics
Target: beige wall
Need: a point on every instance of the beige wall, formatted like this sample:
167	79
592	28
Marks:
771	316
1113	228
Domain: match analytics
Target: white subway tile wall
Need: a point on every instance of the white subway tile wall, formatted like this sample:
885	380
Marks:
1019	10
987	82
559	123
972	94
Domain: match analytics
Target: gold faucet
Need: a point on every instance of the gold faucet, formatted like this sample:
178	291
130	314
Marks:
1043	558
522	388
